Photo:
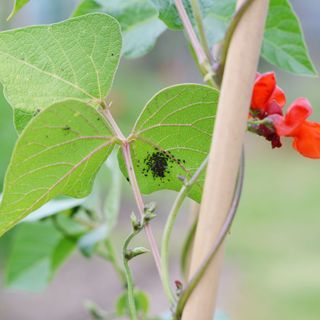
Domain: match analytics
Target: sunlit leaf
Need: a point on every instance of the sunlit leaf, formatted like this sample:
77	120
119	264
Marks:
59	153
172	137
42	65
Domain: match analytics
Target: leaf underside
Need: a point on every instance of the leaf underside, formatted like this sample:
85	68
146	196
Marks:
42	65
172	137
59	153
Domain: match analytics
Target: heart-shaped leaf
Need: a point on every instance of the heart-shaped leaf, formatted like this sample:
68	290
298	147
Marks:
172	137
58	153
42	65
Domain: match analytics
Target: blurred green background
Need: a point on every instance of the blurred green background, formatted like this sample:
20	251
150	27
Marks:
272	267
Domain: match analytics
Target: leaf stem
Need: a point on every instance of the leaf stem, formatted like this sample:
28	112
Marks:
186	293
168	231
140	204
125	145
203	60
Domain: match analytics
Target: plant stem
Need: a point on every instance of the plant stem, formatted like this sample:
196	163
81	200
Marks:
168	231
186	293
186	248
125	145
140	204
192	35
202	35
203	60
130	285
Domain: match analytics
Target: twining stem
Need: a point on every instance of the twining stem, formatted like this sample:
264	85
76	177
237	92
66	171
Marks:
130	283
134	184
202	35
187	291
168	231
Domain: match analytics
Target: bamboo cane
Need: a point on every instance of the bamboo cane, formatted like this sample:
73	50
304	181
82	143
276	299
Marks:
236	91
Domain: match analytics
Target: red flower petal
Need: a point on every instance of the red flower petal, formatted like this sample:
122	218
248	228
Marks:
296	115
263	89
279	96
307	142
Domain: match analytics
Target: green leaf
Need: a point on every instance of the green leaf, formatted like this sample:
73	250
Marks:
172	137
58	153
18	5
216	18
104	201
169	14
284	44
138	19
38	250
141	301
53	207
106	195
42	65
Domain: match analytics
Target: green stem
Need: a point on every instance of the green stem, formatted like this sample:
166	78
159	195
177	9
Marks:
165	276
130	284
186	293
196	10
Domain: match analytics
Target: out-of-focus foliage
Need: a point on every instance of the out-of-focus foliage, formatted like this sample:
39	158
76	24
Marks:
139	22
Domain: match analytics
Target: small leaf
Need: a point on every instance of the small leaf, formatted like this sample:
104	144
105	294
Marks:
42	65
38	251
141	301
138	19
59	153
172	137
284	44
18	5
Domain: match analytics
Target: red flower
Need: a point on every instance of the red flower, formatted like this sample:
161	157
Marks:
305	134
267	97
